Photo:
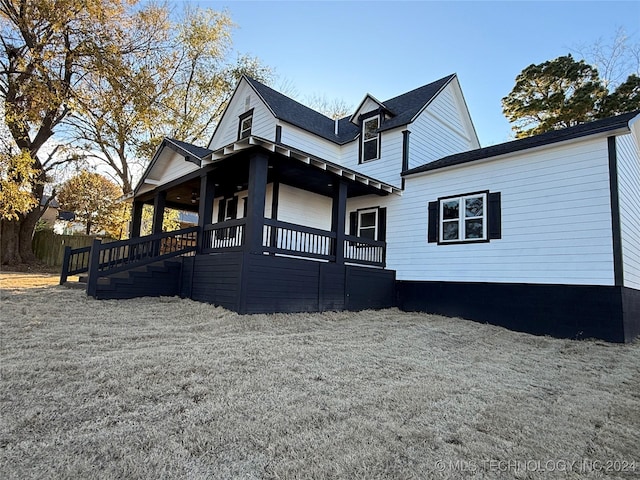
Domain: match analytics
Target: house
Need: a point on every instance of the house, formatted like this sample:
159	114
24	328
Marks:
396	205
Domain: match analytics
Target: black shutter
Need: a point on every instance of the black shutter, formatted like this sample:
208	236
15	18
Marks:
432	229
382	224
495	216
244	207
222	205
353	223
233	205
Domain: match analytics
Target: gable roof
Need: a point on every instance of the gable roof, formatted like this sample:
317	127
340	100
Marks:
585	129
295	113
199	152
404	109
191	153
408	105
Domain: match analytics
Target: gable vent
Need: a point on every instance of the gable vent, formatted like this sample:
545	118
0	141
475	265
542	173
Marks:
247	103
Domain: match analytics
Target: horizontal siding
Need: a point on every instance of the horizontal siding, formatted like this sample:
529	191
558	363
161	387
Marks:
309	143
439	131
216	279
629	201
263	124
304	208
174	168
556	221
388	167
276	284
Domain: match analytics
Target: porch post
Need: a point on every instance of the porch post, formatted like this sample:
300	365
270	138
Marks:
158	212
258	169
205	209
136	218
338	218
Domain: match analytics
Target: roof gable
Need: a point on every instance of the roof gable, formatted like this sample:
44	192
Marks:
189	157
408	105
368	103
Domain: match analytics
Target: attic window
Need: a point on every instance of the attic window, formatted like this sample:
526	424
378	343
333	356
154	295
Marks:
244	127
370	147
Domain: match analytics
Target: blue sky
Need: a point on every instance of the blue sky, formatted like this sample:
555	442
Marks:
344	50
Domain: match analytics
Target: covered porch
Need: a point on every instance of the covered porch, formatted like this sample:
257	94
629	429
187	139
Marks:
271	233
259	197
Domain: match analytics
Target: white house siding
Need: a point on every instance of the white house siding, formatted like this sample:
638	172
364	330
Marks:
556	220
309	143
304	208
441	129
388	167
629	201
174	167
368	104
263	124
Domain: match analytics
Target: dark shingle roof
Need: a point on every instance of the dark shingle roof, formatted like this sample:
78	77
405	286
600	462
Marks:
404	107
407	105
194	150
554	136
295	113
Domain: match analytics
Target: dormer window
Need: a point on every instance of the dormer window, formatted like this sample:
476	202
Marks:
244	128
370	147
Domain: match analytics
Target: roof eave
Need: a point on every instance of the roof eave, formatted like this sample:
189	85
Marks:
429	167
279	148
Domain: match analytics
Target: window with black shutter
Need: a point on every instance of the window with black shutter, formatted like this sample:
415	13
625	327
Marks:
369	223
467	218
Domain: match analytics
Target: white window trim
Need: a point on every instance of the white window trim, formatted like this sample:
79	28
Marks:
243	129
376	138
375	225
461	218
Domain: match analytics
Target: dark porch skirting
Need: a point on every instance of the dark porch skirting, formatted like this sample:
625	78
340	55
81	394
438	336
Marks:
249	283
565	311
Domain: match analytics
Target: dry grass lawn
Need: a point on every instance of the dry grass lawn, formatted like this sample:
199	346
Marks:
171	388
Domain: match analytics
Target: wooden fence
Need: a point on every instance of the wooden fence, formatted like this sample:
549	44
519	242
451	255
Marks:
49	246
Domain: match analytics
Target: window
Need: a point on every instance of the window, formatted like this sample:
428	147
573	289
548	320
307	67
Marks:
227	210
244	127
368	224
463	218
471	217
370	139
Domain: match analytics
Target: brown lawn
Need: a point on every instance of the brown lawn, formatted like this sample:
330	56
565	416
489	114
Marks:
171	388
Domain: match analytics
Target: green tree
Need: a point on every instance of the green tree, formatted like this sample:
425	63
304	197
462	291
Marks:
564	92
47	48
16	178
552	95
93	199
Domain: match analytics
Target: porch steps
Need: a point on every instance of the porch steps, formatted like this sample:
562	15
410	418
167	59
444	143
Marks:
153	280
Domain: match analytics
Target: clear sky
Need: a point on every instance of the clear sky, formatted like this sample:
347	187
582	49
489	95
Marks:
344	50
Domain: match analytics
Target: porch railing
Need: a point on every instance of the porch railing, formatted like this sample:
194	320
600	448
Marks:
285	238
75	261
278	237
106	259
364	251
224	236
293	239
